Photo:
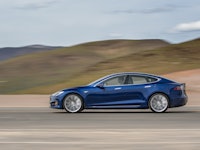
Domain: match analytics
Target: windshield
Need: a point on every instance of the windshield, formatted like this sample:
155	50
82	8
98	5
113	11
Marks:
98	80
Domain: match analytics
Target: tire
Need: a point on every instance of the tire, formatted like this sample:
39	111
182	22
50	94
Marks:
158	102
73	103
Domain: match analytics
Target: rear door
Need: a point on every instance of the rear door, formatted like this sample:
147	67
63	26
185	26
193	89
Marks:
137	89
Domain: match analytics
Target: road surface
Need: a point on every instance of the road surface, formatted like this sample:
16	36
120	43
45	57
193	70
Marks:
44	128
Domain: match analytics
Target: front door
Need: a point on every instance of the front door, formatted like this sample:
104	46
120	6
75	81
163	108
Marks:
110	94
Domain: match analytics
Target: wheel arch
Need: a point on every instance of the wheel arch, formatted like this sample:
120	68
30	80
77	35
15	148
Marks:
159	92
73	92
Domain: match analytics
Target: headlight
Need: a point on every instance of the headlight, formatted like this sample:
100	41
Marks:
57	93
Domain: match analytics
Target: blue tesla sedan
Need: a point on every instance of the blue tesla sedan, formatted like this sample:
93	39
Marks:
122	90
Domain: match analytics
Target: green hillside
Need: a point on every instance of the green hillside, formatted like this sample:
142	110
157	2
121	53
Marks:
172	58
46	72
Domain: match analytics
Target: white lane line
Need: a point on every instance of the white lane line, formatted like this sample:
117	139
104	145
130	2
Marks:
99	130
103	143
106	131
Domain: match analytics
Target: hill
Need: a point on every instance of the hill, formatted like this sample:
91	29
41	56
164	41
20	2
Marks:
78	65
11	52
172	58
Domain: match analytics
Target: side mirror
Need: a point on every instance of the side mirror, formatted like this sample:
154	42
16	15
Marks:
101	86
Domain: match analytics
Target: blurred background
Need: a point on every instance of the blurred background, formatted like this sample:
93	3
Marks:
47	45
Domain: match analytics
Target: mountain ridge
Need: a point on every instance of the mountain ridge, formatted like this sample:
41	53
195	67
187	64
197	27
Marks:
11	52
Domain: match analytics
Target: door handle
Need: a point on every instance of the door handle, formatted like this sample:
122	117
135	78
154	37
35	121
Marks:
118	88
147	86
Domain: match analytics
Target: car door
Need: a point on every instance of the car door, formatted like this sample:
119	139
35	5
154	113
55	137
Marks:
137	89
108	93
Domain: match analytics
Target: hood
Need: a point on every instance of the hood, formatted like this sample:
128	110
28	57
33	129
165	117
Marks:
74	88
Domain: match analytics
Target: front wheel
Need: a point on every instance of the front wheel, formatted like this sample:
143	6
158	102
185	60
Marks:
158	103
73	103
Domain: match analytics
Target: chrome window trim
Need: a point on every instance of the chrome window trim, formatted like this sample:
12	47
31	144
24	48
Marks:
113	76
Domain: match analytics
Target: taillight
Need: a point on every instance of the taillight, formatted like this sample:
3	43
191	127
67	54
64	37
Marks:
177	88
180	87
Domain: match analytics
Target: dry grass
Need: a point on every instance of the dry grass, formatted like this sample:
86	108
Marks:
43	73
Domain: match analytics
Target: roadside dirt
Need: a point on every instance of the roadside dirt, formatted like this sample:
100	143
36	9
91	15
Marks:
192	80
190	77
24	100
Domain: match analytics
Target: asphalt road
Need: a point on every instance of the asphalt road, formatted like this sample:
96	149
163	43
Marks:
45	128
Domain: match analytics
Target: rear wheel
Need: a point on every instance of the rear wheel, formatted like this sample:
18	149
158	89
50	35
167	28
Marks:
158	102
73	103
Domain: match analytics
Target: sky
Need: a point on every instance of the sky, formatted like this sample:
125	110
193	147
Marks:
70	22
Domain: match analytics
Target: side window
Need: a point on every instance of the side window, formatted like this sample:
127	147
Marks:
151	79
140	80
120	80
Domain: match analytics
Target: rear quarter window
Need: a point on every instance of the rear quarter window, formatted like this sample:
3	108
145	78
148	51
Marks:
142	79
149	79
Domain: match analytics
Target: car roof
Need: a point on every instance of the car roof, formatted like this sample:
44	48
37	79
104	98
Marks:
133	73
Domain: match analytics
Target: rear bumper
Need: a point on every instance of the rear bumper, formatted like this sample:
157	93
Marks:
179	101
178	96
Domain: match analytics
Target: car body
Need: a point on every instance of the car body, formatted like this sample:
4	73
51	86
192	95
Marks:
122	90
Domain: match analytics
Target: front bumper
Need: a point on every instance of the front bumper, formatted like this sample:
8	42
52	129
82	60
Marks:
56	102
